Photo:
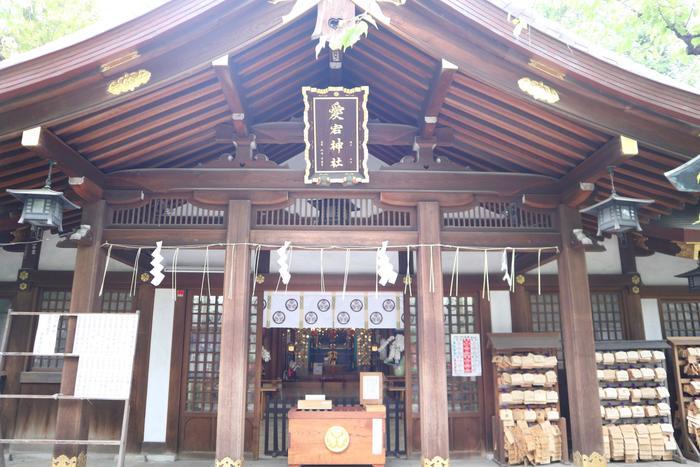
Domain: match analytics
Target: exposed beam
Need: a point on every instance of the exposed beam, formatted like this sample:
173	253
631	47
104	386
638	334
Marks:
47	145
595	166
577	195
233	180
384	134
671	233
233	97
85	189
436	97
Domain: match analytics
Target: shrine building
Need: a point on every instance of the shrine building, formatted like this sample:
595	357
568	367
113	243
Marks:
346	232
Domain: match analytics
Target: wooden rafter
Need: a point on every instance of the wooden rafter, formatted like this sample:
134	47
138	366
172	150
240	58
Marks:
47	145
436	97
233	96
595	166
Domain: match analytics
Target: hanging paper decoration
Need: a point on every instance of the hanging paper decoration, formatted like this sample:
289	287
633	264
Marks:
157	271
385	270
350	311
283	310
507	275
318	310
283	262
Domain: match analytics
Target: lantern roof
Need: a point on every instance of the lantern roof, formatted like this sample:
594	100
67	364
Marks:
685	176
22	195
615	198
692	273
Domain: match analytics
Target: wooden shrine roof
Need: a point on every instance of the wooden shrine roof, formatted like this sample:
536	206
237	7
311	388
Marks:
171	121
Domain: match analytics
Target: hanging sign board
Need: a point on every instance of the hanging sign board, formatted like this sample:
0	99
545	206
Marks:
466	354
335	133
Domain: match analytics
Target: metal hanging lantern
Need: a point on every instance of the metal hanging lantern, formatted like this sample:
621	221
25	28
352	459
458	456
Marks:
43	207
617	214
693	277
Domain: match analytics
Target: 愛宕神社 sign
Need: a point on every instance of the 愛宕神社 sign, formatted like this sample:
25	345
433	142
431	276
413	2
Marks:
336	135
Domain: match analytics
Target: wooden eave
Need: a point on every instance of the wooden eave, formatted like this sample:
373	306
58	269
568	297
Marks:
171	121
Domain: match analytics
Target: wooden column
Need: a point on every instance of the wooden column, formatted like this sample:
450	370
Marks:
432	372
71	421
520	314
579	346
632	301
230	423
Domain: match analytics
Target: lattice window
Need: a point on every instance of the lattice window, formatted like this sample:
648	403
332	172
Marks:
460	318
607	316
252	354
680	317
204	351
54	301
544	310
117	301
413	355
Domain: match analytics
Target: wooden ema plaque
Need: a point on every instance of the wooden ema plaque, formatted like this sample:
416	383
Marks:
371	388
342	436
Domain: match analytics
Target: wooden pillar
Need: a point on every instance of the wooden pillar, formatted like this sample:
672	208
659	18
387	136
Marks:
631	300
145	296
520	313
434	424
230	422
71	421
579	346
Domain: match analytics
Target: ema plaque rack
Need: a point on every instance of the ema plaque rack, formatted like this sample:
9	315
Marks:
528	427
635	401
686	368
104	345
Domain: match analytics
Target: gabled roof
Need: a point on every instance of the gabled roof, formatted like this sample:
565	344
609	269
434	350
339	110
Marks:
171	121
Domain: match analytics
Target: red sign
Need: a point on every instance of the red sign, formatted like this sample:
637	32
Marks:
336	135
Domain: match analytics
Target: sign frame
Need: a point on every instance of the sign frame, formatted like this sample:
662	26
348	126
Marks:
314	174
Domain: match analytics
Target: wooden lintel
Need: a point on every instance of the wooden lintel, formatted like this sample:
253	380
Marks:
333	237
47	145
233	180
578	194
439	88
501	239
383	134
257	198
149	237
538	201
672	234
124	197
87	190
233	97
595	166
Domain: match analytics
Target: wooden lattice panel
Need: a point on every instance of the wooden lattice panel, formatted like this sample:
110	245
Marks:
501	215
607	316
680	317
460	318
164	212
204	353
360	213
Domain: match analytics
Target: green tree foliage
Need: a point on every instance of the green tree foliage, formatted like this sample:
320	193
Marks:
27	24
663	35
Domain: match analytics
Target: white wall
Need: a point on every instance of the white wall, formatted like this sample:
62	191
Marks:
659	269
159	367
652	320
500	311
9	265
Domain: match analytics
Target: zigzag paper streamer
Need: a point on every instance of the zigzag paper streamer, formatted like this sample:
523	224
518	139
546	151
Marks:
283	262
156	262
385	269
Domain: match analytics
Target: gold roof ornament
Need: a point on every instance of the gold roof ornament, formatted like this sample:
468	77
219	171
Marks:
538	90
129	82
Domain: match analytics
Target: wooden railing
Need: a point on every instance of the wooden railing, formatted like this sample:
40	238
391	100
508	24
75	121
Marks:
352	212
498	215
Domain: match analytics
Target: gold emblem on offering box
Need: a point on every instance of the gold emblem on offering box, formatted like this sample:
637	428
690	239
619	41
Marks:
337	439
335	133
228	462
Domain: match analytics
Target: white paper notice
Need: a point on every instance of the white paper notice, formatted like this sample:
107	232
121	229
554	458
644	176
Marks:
371	387
46	330
377	436
466	355
106	345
